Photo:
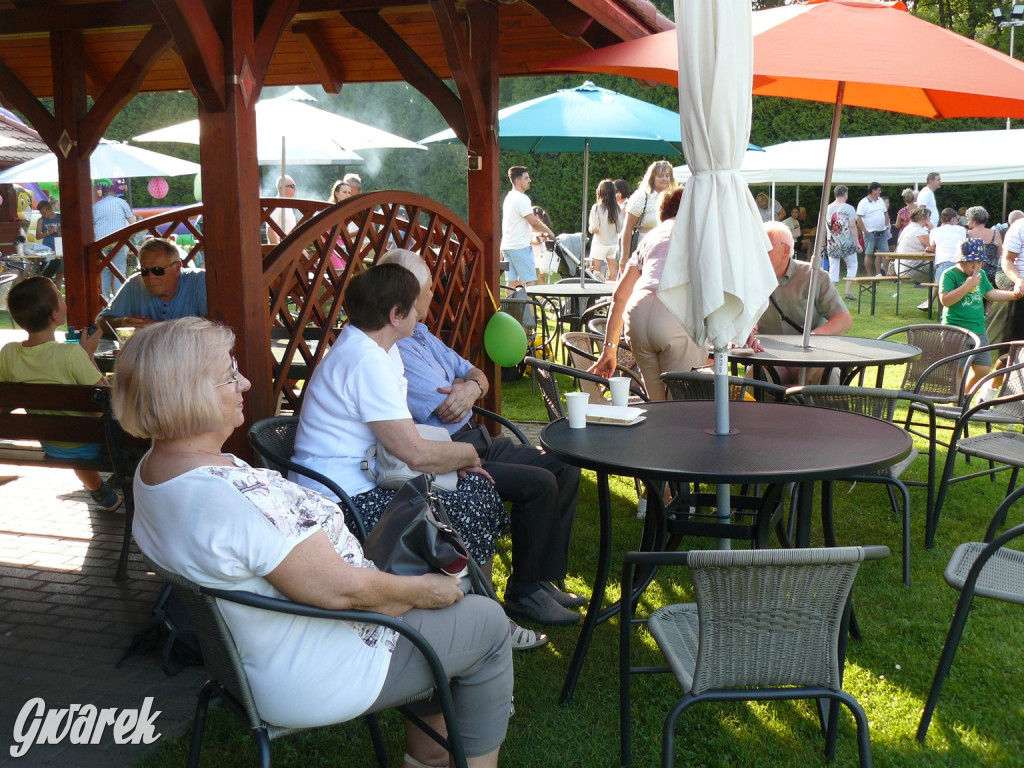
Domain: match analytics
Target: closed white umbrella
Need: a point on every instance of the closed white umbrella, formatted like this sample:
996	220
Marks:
110	160
717	276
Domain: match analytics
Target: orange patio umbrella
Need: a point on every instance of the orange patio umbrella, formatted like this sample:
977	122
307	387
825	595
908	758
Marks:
805	51
844	52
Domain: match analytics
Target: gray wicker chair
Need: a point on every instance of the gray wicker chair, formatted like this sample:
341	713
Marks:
767	624
880	404
936	342
1001	447
988	569
700	385
583	349
229	682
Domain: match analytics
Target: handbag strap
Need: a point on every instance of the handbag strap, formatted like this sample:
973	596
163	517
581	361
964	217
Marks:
481	584
785	318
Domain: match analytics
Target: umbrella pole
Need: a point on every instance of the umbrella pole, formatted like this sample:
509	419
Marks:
586	218
723	501
819	232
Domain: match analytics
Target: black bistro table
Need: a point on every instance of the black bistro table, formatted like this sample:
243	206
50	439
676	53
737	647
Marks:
769	443
850	354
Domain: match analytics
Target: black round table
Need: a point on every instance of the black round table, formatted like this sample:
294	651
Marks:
851	354
770	443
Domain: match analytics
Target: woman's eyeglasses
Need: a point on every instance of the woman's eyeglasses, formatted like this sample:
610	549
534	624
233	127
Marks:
234	375
158	271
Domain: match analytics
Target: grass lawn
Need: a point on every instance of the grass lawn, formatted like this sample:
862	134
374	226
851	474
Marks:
978	721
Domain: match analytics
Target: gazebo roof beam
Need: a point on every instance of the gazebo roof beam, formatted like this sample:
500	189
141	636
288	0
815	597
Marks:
329	70
412	68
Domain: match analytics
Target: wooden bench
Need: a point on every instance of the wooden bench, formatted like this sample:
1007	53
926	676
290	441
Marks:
90	421
869	285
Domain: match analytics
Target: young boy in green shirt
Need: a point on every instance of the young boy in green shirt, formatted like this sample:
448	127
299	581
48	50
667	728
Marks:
961	294
36	305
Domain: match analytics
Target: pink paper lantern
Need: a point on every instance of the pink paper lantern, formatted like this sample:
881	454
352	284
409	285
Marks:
1	199
158	187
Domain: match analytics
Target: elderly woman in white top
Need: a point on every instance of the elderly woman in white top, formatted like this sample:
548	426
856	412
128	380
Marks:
914	239
642	206
212	518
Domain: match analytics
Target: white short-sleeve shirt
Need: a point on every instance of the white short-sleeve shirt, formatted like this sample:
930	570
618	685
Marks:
516	231
357	383
227	527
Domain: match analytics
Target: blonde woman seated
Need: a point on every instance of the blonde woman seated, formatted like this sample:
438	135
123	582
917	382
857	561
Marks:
657	338
215	520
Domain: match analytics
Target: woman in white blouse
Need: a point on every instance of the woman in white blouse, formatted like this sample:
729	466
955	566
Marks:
642	207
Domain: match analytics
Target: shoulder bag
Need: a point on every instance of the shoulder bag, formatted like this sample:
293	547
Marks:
635	239
385	469
414	536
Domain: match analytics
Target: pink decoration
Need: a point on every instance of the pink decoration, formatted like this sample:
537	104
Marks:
1	199
158	187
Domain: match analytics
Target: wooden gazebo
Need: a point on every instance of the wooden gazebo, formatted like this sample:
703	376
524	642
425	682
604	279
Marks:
225	51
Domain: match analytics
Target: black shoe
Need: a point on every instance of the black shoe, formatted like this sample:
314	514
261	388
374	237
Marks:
539	606
564	599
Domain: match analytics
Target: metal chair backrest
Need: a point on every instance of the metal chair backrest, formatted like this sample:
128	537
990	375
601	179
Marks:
700	385
772	617
220	654
935	342
583	350
545	373
879	403
274	441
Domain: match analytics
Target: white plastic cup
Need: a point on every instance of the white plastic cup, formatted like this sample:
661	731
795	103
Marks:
58	246
576	405
619	386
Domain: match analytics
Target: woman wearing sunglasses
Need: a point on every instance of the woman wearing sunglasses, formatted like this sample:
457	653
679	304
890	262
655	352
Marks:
162	289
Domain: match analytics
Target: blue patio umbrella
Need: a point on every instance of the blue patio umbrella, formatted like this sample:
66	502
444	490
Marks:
585	119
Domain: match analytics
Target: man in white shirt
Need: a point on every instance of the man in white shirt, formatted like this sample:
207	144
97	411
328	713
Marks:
926	197
518	222
1013	249
283	217
873	221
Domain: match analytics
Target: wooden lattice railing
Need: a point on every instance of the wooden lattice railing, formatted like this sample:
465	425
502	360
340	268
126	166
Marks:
306	287
304	284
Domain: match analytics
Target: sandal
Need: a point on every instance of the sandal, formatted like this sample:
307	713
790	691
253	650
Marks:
524	639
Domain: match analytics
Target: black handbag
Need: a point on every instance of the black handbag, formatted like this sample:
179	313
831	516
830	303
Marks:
414	536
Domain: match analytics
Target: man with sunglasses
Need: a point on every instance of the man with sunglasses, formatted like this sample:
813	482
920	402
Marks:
162	289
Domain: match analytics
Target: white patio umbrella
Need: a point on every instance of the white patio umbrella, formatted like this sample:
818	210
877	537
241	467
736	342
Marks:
717	276
313	136
110	160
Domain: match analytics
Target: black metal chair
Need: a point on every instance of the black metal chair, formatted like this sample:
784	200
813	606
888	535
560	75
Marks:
767	625
987	569
229	682
583	349
880	404
274	441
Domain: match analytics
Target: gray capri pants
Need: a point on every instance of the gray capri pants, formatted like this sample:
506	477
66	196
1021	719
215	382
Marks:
471	637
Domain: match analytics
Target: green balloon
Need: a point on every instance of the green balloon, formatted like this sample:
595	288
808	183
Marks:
505	340
197	188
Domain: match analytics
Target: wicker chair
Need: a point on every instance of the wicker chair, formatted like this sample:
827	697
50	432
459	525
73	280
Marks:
1001	447
700	385
546	371
987	569
879	404
936	342
767	624
229	682
583	349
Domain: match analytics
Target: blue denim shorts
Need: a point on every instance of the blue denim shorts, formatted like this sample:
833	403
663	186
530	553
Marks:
521	267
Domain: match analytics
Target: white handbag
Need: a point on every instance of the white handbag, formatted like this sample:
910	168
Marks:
388	471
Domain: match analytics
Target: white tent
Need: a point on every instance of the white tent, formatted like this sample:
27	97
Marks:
968	156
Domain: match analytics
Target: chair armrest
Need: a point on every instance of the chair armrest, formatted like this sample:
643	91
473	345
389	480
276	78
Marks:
999	516
492	416
279	605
